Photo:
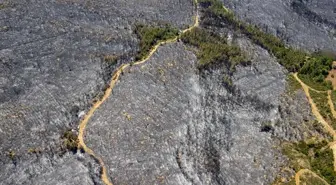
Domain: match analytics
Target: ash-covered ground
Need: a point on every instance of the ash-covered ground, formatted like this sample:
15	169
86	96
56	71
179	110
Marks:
305	24
52	67
167	121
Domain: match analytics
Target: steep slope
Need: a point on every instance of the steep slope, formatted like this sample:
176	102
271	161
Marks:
305	24
163	120
52	60
167	122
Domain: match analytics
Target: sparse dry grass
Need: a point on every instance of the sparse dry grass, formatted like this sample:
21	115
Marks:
321	101
293	85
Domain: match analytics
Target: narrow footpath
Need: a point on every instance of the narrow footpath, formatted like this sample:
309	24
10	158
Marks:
324	123
107	93
115	78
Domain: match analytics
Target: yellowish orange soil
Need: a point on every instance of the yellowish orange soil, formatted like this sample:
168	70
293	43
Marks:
324	123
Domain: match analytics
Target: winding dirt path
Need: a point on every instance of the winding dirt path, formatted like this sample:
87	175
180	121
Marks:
116	75
107	93
315	110
304	171
332	108
325	124
331	104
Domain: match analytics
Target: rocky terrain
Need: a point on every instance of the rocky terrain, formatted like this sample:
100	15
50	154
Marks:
167	121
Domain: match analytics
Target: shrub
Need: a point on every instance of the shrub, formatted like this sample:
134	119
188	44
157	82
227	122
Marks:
213	48
316	154
34	151
150	36
267	127
227	81
111	59
317	68
11	154
314	66
321	84
321	101
70	141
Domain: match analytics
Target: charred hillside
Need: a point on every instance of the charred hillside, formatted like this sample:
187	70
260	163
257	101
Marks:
176	92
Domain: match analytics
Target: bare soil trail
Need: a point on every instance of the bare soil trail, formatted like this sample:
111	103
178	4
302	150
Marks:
115	78
332	108
331	104
314	108
325	124
305	171
107	93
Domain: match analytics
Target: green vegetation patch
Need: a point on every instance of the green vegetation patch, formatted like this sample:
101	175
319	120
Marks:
313	66
320	86
5	4
11	154
321	101
314	155
152	35
111	59
70	141
315	70
213	48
